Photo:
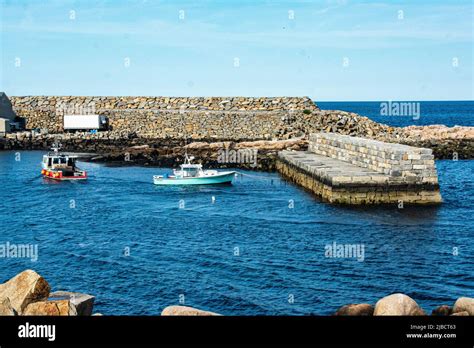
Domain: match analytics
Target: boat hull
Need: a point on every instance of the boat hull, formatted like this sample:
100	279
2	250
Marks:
222	178
67	178
55	175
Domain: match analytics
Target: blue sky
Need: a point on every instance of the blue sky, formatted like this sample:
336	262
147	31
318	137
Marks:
329	50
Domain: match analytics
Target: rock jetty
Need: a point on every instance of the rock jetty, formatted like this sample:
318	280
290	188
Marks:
351	170
163	122
28	293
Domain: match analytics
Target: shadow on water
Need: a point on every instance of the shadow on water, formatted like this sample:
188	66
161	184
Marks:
409	214
48	181
191	188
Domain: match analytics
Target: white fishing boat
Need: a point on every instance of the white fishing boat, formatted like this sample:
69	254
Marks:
193	174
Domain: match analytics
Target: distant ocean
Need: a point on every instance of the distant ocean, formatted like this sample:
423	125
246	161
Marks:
448	113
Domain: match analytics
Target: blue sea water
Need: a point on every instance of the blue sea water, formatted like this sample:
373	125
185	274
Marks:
449	113
248	253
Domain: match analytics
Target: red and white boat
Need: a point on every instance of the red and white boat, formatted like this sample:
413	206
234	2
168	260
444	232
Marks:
59	166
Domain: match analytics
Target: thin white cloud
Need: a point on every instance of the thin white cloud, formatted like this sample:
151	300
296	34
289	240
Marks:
205	33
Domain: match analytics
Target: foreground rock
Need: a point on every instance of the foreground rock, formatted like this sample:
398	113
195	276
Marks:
443	310
82	303
23	289
464	304
397	304
6	307
185	311
29	294
362	309
59	307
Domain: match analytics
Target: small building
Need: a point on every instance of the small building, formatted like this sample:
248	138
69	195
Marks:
7	115
6	108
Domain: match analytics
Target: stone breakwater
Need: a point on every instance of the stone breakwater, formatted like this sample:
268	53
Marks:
167	117
165	121
401	163
28	293
350	170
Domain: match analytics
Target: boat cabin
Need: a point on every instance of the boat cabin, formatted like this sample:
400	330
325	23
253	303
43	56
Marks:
58	161
190	170
61	166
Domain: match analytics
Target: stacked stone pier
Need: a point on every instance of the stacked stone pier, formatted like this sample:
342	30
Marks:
351	170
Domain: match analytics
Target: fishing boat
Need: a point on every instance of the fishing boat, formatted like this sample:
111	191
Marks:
60	166
193	174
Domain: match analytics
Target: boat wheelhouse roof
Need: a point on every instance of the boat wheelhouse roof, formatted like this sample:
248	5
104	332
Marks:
56	154
191	166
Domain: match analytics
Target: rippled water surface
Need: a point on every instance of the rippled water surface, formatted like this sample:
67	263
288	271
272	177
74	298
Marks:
192	251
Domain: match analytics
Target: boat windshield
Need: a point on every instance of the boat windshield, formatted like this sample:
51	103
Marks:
60	160
190	171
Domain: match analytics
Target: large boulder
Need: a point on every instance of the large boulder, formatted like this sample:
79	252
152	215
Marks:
443	310
59	307
185	311
464	304
397	304
460	314
23	289
6	308
83	303
361	309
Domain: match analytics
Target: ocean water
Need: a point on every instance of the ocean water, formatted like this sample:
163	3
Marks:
259	249
449	113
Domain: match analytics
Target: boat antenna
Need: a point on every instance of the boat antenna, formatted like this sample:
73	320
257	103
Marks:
56	146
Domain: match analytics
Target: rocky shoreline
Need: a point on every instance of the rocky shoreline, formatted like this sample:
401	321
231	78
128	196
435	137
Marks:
401	304
135	148
29	294
397	304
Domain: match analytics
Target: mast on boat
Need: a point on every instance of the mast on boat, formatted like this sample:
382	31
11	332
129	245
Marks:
56	146
186	157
